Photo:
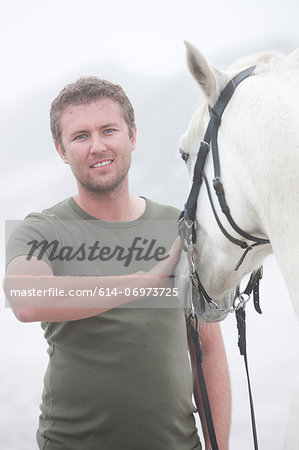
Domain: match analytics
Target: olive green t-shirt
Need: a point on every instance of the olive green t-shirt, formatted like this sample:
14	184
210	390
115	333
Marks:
120	380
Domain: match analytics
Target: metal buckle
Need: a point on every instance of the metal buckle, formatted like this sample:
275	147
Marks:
185	229
240	301
190	256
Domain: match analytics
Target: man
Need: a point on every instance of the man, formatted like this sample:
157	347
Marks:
118	375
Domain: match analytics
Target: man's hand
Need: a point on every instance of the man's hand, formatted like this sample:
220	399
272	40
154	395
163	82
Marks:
164	269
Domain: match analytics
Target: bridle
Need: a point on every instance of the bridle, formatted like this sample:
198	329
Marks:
187	232
187	219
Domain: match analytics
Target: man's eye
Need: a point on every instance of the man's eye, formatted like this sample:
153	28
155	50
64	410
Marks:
184	155
80	137
109	131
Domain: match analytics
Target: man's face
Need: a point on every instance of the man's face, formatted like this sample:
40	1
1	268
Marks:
97	145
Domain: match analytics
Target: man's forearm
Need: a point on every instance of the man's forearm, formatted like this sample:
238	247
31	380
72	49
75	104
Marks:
35	294
60	298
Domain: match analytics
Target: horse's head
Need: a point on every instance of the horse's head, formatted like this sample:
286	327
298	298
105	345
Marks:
215	257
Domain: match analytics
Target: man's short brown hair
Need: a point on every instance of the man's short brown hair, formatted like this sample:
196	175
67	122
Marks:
86	90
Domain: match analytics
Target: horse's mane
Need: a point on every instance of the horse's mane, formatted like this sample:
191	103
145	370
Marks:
274	63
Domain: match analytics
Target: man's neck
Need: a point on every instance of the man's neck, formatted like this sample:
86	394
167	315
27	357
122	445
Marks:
114	206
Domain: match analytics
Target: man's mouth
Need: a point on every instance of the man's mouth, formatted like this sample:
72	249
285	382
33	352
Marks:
101	163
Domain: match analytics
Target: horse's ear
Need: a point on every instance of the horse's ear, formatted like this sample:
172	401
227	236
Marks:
210	79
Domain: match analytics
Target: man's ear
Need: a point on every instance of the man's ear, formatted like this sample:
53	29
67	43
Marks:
61	152
133	137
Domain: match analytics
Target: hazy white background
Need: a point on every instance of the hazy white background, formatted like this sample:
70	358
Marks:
43	46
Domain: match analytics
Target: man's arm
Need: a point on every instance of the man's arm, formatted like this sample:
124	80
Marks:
217	380
35	275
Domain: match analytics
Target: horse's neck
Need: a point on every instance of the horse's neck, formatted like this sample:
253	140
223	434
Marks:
280	217
267	171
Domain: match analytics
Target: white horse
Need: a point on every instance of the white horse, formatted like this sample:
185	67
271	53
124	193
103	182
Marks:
258	143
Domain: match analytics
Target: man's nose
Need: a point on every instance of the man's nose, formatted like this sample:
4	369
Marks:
97	144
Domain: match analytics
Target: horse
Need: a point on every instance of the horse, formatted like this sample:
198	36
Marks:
258	144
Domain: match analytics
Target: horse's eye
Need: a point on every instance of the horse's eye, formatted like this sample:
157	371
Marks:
184	155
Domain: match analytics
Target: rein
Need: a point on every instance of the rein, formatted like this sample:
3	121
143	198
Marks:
187	232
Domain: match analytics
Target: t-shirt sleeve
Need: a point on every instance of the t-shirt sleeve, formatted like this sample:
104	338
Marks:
33	237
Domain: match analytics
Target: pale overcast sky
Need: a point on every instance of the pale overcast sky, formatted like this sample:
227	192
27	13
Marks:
45	42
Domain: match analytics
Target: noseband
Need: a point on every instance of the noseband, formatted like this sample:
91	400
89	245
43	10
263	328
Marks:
187	219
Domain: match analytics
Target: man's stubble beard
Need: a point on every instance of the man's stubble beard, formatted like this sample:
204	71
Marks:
112	186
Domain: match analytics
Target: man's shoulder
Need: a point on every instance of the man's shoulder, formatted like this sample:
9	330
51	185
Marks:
47	227
39	224
61	210
162	211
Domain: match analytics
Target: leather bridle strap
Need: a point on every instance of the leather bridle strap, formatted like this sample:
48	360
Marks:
242	244
217	111
216	115
211	137
201	379
191	203
212	129
241	325
252	286
217	184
